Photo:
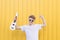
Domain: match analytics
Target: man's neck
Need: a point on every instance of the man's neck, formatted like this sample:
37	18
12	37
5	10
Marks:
30	23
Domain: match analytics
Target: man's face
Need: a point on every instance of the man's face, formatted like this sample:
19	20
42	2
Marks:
31	20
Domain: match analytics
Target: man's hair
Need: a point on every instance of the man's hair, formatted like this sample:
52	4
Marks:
32	16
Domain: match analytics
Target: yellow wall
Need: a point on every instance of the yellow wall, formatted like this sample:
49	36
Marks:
50	9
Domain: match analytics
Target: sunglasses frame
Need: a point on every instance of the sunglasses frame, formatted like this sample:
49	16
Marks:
31	20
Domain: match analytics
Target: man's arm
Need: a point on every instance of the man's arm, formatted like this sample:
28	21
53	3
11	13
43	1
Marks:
44	21
17	28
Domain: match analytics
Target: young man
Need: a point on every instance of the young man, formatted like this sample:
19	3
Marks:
31	29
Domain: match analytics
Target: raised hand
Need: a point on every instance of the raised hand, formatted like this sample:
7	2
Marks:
41	16
15	17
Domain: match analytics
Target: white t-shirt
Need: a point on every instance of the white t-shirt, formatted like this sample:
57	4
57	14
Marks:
31	31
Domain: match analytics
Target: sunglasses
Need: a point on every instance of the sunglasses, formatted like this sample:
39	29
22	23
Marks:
31	20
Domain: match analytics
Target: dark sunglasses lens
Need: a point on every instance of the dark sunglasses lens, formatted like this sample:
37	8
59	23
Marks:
31	20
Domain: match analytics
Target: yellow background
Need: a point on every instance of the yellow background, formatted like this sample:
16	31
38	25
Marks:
50	9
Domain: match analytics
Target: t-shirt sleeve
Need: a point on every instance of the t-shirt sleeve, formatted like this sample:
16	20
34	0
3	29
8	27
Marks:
39	26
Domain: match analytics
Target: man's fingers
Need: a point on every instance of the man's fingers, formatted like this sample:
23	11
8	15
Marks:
16	16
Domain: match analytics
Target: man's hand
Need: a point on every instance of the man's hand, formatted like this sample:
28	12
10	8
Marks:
16	17
41	16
